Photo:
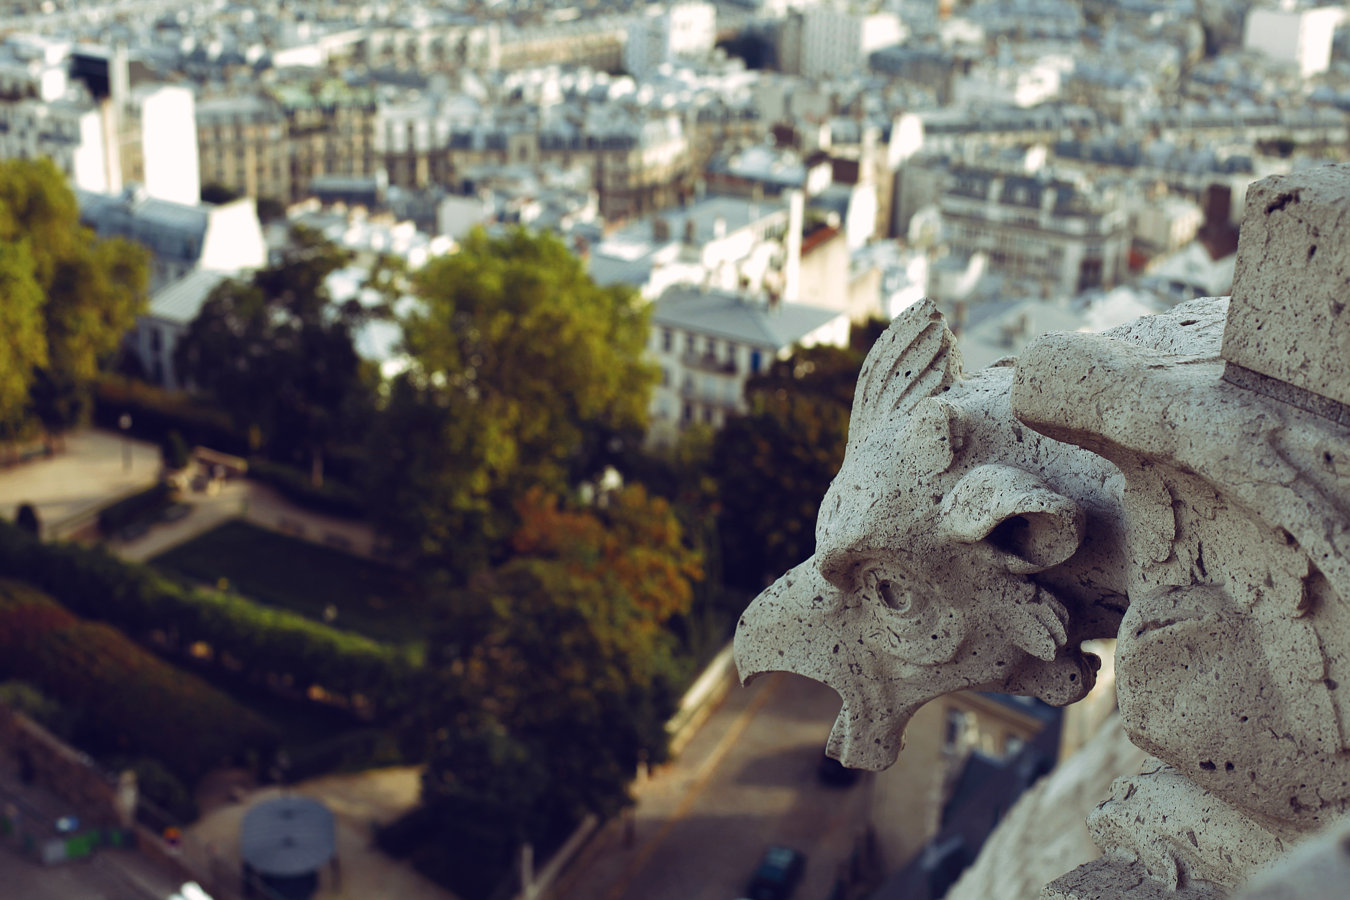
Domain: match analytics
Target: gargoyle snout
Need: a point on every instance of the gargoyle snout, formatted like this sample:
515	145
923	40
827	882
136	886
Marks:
804	625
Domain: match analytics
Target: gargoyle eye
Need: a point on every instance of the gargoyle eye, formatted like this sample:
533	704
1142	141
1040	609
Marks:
894	596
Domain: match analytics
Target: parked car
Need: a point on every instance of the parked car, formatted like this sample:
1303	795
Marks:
777	875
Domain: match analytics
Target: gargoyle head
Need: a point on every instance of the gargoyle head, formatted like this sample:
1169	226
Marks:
947	552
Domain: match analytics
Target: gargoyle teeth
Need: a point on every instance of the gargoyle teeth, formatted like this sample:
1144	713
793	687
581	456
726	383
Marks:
1039	628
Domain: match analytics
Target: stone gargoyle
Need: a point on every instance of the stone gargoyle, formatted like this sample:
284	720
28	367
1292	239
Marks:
950	552
1117	485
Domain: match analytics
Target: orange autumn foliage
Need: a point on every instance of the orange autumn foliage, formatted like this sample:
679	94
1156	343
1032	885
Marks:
631	542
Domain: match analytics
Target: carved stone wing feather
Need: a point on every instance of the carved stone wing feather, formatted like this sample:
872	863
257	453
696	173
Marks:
914	359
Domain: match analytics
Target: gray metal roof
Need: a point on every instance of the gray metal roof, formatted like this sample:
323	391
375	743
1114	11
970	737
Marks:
181	301
170	230
738	317
287	836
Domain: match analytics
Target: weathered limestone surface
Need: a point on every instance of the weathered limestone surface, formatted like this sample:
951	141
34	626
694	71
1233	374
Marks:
1295	330
1044	835
1141	484
1318	869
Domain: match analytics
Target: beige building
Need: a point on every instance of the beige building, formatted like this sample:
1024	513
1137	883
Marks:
242	145
330	130
938	740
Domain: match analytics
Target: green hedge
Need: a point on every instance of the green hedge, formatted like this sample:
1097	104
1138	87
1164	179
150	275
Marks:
269	645
155	413
333	498
137	506
130	701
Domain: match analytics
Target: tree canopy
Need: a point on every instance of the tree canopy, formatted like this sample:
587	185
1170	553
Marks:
522	371
66	298
277	354
558	660
774	463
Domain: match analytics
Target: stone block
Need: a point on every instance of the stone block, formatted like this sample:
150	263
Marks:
1289	318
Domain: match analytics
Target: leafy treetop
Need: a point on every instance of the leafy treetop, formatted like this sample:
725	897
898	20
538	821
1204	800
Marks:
66	298
520	368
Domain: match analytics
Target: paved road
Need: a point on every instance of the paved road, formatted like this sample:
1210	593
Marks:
746	781
89	473
97	467
356	800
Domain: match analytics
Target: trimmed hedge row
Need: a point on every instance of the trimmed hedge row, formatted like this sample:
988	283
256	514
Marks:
155	413
129	701
267	644
137	506
334	498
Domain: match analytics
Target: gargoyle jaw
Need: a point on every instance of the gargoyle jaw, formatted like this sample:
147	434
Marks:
804	625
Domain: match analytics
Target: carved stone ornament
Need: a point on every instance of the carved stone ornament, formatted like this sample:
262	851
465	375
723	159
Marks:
983	525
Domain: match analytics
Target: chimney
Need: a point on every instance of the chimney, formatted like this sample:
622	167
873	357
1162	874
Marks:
660	229
690	232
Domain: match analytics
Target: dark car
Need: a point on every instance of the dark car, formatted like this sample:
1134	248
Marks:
777	874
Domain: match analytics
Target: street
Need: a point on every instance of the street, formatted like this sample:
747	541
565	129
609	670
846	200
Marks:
746	781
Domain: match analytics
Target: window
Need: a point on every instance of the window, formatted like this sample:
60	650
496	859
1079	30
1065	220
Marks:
667	339
958	722
756	361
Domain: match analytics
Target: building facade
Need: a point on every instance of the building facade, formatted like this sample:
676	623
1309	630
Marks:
1061	234
708	343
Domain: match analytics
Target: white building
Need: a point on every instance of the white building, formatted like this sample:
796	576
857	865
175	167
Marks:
836	42
663	35
76	106
180	237
1300	37
164	123
1165	224
1067	236
709	342
1010	83
726	243
172	309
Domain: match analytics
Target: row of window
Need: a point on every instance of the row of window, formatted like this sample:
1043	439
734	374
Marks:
709	346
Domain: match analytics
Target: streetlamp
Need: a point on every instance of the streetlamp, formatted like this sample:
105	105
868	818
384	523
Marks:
124	423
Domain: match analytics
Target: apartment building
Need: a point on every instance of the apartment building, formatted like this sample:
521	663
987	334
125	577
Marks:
79	107
709	342
661	35
1062	234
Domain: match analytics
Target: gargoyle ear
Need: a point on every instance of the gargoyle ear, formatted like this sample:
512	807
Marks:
1032	525
913	359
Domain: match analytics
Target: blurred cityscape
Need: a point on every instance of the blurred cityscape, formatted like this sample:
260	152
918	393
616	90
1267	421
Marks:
435	383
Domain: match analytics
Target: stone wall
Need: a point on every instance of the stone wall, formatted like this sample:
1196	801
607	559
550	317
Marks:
62	770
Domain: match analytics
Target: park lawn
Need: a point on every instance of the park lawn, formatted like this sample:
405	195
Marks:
370	598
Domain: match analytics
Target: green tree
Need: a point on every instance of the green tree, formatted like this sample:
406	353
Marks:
174	451
26	517
774	463
554	674
23	339
84	292
278	355
522	371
